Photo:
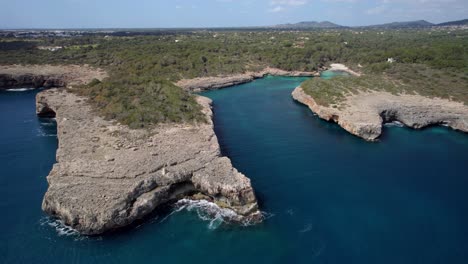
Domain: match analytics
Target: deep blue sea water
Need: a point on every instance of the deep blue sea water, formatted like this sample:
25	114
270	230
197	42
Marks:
330	197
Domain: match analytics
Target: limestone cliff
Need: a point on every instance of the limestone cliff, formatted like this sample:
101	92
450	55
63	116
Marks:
363	114
37	76
107	175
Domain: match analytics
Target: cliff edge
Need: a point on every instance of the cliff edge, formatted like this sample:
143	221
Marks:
363	114
38	76
107	175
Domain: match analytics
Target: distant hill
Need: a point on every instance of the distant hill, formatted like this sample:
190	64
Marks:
309	24
463	22
393	25
408	24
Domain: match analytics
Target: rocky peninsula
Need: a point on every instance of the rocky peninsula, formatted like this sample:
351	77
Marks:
212	83
364	113
107	175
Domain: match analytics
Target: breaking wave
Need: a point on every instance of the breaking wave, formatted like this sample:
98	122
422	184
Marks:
48	123
46	128
42	133
212	213
19	89
207	211
394	124
59	226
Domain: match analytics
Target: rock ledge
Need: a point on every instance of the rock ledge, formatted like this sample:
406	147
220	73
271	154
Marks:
37	76
363	114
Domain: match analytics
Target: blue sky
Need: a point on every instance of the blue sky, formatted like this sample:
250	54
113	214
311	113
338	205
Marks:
219	13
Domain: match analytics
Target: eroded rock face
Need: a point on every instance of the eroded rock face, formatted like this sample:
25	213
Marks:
47	76
363	114
212	83
108	176
33	81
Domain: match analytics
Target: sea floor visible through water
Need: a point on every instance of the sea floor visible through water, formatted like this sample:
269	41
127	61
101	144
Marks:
329	197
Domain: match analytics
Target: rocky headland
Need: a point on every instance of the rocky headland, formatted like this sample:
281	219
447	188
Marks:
47	76
107	175
212	83
363	114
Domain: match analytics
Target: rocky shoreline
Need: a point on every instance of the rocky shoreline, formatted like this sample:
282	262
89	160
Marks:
107	175
47	76
364	114
213	83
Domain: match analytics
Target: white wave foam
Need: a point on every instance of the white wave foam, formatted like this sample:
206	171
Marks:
19	89
175	210
47	124
266	215
208	211
307	228
41	133
59	226
394	124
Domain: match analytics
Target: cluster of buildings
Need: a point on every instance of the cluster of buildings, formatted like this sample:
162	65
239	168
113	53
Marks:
35	33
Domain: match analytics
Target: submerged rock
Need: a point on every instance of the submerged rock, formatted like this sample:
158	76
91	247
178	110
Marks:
100	185
363	114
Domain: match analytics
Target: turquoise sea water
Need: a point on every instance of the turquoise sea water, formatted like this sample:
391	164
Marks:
331	74
330	197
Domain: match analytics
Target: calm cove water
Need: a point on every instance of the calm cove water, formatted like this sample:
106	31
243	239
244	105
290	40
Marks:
330	197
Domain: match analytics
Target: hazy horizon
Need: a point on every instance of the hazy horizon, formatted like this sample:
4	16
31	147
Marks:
214	27
107	14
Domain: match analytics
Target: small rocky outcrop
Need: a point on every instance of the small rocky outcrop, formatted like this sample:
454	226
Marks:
212	83
363	114
338	67
107	175
47	76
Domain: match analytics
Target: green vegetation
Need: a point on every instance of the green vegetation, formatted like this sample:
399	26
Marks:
431	62
394	78
88	47
141	102
178	55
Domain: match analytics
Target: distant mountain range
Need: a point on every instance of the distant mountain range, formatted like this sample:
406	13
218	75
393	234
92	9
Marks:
463	22
393	25
310	24
407	24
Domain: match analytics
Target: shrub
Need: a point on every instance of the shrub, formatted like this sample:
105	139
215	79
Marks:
141	102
